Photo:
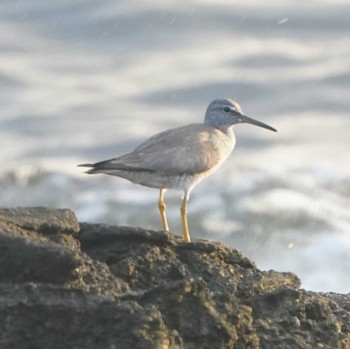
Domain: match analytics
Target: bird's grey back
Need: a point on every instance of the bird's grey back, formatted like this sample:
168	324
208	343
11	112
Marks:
190	149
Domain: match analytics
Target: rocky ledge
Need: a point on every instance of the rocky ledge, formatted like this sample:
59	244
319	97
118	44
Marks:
70	285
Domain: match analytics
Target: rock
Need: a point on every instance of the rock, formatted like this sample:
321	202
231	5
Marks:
65	285
41	219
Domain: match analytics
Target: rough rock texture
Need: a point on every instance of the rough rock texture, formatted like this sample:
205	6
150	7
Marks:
100	286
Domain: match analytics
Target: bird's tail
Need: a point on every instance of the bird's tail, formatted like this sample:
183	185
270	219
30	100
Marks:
86	165
91	171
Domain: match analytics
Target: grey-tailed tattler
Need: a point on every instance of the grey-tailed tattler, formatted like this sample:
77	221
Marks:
181	157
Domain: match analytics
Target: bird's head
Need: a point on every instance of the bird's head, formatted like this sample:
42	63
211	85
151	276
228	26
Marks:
224	113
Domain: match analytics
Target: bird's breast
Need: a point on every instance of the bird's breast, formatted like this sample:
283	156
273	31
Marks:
215	147
221	144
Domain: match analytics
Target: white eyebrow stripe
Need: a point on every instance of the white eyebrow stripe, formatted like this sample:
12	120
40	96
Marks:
230	107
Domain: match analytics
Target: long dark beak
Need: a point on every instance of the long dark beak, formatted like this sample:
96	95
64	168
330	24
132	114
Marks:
249	120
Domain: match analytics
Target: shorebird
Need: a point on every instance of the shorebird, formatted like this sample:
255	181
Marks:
180	158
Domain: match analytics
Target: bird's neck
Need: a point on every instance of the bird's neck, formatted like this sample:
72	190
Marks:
228	129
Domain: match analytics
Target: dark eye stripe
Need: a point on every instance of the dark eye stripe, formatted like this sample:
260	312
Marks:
227	109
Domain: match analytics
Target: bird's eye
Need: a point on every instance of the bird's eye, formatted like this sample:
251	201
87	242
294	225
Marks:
227	109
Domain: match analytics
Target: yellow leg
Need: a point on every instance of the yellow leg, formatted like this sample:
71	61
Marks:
162	207
184	218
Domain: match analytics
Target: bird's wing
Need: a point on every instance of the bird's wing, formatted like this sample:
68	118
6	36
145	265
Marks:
185	150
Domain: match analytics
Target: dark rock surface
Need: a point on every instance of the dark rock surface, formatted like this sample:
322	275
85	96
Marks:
98	286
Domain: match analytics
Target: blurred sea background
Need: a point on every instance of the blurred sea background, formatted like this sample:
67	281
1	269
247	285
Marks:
84	81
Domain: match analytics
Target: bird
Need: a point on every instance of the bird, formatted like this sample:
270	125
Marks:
180	158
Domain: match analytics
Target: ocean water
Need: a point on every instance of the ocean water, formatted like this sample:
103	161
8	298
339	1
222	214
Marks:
83	81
